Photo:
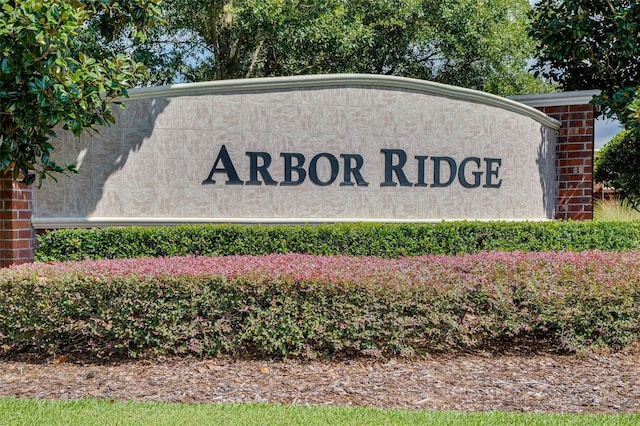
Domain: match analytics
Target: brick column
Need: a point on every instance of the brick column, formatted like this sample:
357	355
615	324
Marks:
17	236
574	160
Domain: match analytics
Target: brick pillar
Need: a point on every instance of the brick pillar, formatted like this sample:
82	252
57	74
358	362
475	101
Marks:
574	160
16	235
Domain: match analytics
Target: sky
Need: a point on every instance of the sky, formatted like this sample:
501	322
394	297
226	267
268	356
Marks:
604	131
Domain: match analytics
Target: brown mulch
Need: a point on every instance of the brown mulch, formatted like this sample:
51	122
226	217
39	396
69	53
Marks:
589	383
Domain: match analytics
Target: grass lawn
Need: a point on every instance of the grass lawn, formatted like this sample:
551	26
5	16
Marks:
104	412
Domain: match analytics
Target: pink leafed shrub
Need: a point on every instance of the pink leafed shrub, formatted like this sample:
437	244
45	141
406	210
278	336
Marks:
305	306
345	268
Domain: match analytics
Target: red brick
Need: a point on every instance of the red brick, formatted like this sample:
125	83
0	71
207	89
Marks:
584	107
571	177
575	162
571	193
572	146
26	233
16	233
20	205
555	109
582	216
19	224
567	170
569	199
583	201
576	207
580	115
7	215
585	185
7	234
563	170
585	154
17	238
17	244
580	138
21	195
579	131
6	194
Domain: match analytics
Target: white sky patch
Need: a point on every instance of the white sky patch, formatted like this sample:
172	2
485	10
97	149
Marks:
604	130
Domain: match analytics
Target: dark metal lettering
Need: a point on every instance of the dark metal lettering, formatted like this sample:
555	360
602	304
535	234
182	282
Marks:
421	170
262	169
313	169
390	168
437	183
227	168
289	168
477	175
295	172
353	170
492	172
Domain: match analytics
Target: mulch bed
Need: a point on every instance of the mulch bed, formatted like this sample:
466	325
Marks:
588	383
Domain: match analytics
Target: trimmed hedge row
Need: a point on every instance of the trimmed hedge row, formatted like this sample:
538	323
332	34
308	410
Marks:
381	240
321	306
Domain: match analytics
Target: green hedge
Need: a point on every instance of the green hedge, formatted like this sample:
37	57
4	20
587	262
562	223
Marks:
382	240
334	306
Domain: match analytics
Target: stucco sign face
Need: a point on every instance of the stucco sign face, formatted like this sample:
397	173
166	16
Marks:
308	149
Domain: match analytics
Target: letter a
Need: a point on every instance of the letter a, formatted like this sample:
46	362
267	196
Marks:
227	167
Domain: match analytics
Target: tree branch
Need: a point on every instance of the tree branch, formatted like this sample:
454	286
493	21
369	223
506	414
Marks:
254	58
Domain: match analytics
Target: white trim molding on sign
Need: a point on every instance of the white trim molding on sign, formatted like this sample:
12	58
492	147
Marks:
101	222
343	80
578	97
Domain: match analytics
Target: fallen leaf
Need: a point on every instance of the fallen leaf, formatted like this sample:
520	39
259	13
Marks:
60	359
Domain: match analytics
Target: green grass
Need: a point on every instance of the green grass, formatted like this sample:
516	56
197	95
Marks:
614	211
17	412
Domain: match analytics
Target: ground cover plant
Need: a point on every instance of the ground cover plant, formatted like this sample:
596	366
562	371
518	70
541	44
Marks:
16	412
308	306
615	211
354	239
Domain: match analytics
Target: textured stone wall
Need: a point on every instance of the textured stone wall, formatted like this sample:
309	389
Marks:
151	167
155	166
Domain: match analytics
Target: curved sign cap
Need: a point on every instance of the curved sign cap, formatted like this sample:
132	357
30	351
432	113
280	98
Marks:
308	149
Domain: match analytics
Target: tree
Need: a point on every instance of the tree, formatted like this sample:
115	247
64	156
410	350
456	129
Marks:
587	44
46	80
482	45
618	166
618	162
